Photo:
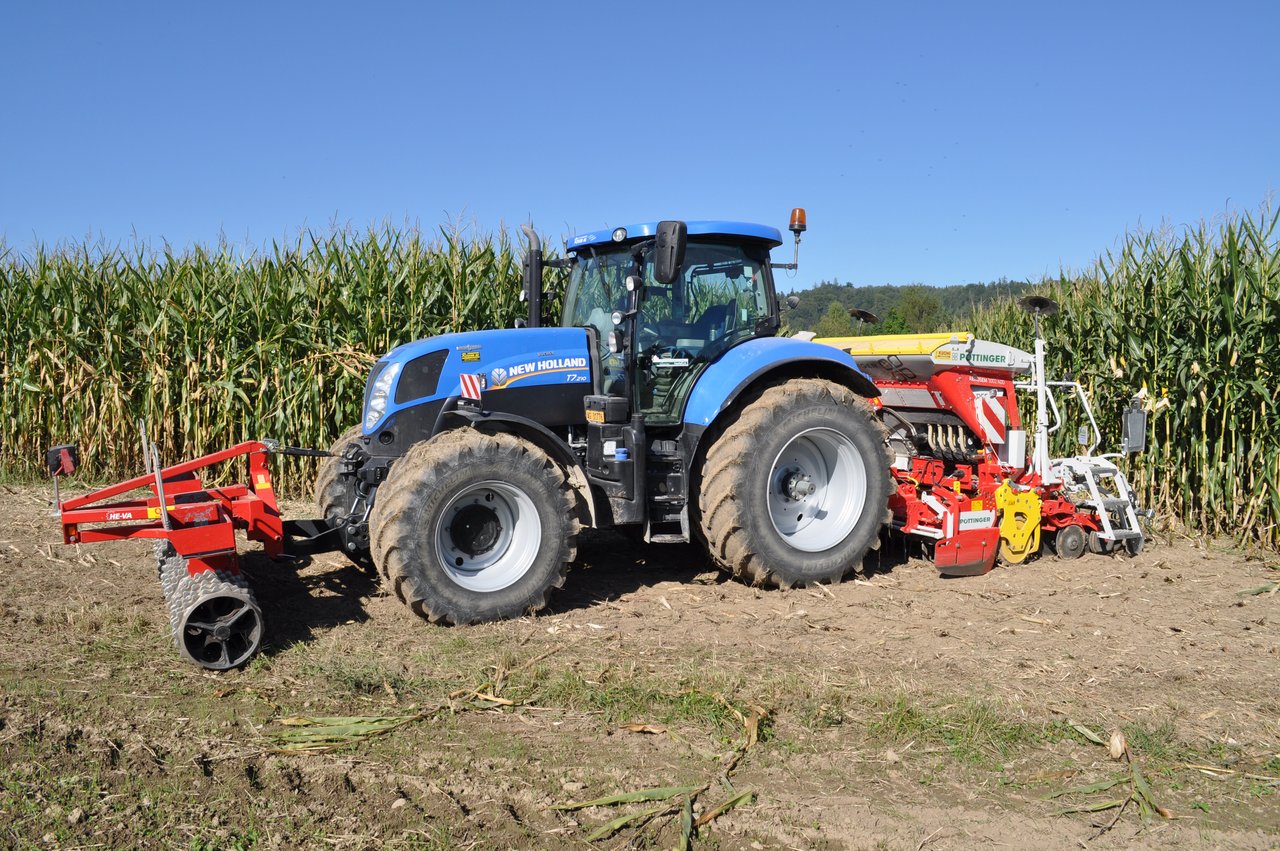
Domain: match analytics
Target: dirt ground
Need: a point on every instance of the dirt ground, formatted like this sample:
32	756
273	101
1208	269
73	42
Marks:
900	710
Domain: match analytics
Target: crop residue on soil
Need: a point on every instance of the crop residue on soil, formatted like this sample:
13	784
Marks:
899	710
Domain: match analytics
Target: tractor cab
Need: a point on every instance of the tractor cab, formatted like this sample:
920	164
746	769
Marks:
656	329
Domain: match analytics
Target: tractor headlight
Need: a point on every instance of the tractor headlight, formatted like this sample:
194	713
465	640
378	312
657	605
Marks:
378	396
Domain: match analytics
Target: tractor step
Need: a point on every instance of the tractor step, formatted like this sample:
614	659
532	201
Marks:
1107	504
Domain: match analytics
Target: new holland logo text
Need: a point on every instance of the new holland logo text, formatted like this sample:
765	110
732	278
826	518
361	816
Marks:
502	376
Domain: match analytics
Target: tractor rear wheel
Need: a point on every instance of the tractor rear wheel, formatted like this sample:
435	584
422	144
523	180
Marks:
471	527
796	489
335	495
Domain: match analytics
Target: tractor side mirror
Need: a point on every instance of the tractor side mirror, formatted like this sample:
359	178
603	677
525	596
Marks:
668	251
1133	428
793	301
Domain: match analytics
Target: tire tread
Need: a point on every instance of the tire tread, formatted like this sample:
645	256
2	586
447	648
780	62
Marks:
721	515
393	533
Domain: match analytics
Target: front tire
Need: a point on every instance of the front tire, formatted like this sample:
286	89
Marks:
795	491
471	527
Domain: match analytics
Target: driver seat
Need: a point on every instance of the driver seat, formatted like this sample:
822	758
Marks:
714	319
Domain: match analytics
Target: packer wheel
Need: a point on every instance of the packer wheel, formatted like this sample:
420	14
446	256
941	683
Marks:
215	619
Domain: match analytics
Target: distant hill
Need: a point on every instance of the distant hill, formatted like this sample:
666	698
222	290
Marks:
902	309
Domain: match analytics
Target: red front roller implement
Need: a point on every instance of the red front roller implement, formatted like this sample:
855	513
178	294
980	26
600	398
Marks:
216	620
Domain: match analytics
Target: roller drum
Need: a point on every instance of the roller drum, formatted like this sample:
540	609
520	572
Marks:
215	619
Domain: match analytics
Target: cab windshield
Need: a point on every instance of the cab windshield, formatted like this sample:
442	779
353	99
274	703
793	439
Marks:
597	287
719	295
717	300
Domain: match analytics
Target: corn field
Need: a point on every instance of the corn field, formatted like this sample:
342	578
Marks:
214	346
1194	318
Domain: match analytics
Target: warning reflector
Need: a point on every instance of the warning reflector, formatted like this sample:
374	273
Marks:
471	387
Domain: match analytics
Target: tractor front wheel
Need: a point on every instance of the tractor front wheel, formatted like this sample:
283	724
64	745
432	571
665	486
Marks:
471	527
796	489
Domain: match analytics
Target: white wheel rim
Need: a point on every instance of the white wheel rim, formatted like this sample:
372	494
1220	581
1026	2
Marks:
488	536
817	490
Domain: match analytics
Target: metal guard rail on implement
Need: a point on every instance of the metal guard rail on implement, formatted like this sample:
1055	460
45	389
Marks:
199	522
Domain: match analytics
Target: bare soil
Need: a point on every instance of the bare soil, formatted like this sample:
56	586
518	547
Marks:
900	710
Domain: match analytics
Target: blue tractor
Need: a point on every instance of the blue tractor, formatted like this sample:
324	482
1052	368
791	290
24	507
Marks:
662	401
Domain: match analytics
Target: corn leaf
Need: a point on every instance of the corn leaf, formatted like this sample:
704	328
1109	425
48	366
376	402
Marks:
719	810
686	826
661	793
609	828
317	735
1100	786
1087	733
1092	808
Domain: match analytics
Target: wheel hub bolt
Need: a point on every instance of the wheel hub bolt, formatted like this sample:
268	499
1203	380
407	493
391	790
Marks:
798	485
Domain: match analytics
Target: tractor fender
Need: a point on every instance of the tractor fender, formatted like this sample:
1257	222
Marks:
746	364
537	434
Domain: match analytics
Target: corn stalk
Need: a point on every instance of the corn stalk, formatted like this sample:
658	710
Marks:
211	346
1193	317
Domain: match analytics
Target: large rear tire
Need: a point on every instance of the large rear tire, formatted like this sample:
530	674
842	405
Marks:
471	527
795	491
336	495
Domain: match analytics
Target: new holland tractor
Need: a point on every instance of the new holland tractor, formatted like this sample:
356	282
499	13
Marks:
660	401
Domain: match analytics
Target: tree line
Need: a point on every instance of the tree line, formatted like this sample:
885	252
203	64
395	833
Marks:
902	309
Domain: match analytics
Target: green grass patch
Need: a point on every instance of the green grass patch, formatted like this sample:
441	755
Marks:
359	677
637	699
975	732
1157	742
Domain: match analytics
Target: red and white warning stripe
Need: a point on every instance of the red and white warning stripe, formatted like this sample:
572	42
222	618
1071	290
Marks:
471	387
993	418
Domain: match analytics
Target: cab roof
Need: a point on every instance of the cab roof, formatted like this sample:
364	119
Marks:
702	228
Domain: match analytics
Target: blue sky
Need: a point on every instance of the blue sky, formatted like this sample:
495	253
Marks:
930	142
